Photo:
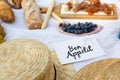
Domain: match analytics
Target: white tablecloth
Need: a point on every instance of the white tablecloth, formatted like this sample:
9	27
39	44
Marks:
107	37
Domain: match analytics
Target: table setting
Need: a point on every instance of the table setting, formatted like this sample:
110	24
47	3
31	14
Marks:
51	38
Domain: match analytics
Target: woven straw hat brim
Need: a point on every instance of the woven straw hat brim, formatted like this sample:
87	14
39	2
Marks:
24	59
63	72
49	73
111	73
90	71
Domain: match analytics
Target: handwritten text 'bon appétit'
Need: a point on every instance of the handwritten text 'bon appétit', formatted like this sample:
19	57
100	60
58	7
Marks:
76	51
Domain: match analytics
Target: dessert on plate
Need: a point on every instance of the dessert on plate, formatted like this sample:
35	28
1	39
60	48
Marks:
91	6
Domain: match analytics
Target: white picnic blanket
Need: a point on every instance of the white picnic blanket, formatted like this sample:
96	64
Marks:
107	37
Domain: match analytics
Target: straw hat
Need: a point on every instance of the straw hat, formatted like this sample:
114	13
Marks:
111	73
25	59
63	72
91	71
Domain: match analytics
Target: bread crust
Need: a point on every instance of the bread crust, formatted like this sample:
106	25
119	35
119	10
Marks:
6	13
32	14
16	4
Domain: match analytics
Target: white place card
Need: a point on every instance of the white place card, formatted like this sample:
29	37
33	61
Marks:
78	49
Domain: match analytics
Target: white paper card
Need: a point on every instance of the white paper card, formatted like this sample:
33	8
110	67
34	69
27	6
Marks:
78	49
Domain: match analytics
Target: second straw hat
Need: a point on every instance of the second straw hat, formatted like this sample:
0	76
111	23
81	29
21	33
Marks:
93	70
63	72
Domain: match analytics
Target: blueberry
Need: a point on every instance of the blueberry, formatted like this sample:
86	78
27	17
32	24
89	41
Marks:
74	25
91	26
69	31
76	32
86	23
85	31
64	29
86	26
77	27
79	24
64	25
82	25
80	31
72	31
94	25
69	28
60	24
92	29
119	36
68	24
90	23
89	30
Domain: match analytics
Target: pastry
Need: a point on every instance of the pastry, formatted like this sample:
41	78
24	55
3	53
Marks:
32	14
80	6
6	13
71	4
90	6
14	3
68	6
75	2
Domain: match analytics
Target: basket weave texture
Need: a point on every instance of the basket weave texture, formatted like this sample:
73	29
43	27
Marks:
25	59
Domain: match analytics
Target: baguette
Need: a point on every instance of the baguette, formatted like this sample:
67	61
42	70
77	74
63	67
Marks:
55	16
6	13
32	14
48	14
16	4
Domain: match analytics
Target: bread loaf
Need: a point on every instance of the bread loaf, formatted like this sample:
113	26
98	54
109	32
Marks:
32	14
6	13
16	4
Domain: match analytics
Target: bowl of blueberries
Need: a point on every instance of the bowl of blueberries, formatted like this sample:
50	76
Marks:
79	29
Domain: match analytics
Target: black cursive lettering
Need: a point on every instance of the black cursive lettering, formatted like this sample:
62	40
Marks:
76	51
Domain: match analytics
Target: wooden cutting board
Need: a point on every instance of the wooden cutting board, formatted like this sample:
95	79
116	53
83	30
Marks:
57	10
